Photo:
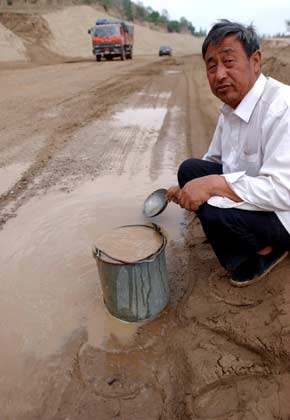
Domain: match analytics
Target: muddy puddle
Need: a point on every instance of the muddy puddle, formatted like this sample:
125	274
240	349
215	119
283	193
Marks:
46	255
50	283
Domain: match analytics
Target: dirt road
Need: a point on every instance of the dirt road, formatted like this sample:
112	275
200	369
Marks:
82	144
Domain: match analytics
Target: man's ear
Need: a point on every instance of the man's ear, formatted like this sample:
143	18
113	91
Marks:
256	60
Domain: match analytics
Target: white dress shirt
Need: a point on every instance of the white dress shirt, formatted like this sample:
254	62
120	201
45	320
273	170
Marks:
252	142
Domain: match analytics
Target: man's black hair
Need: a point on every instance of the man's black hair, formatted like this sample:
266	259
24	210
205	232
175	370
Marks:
246	34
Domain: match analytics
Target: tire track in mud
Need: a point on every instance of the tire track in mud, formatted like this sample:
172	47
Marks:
203	116
172	144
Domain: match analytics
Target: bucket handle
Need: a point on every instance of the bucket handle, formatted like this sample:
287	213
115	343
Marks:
97	252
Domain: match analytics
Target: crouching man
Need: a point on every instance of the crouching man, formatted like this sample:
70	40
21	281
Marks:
240	190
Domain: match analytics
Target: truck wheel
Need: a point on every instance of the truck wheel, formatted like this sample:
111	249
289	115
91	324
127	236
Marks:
98	58
122	56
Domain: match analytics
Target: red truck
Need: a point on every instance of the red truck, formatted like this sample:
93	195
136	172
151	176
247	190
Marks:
112	38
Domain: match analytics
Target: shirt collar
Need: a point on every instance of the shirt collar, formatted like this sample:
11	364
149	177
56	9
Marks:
247	105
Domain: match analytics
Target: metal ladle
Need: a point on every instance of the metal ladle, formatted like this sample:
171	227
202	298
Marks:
155	203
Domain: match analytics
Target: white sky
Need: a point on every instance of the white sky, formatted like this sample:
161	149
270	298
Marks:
268	16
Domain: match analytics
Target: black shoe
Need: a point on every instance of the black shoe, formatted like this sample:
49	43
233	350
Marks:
256	267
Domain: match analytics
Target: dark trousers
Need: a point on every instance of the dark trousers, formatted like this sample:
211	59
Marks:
234	234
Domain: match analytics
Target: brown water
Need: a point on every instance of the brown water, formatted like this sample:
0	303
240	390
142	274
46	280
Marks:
129	243
49	281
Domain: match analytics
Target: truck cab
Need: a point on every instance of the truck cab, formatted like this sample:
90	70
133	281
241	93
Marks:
112	39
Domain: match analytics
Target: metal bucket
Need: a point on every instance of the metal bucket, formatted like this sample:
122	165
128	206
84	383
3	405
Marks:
134	291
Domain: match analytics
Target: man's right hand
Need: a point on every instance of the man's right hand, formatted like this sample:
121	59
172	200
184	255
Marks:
173	194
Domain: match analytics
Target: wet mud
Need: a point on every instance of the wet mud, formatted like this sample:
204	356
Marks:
215	352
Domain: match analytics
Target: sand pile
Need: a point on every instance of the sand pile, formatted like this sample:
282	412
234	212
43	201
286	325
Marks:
11	47
69	29
65	33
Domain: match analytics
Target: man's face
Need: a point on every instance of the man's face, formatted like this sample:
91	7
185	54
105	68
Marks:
231	74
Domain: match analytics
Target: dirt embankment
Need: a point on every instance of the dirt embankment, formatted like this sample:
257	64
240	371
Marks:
33	33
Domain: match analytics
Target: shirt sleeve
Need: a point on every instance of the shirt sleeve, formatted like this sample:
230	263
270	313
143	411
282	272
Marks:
270	189
214	152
